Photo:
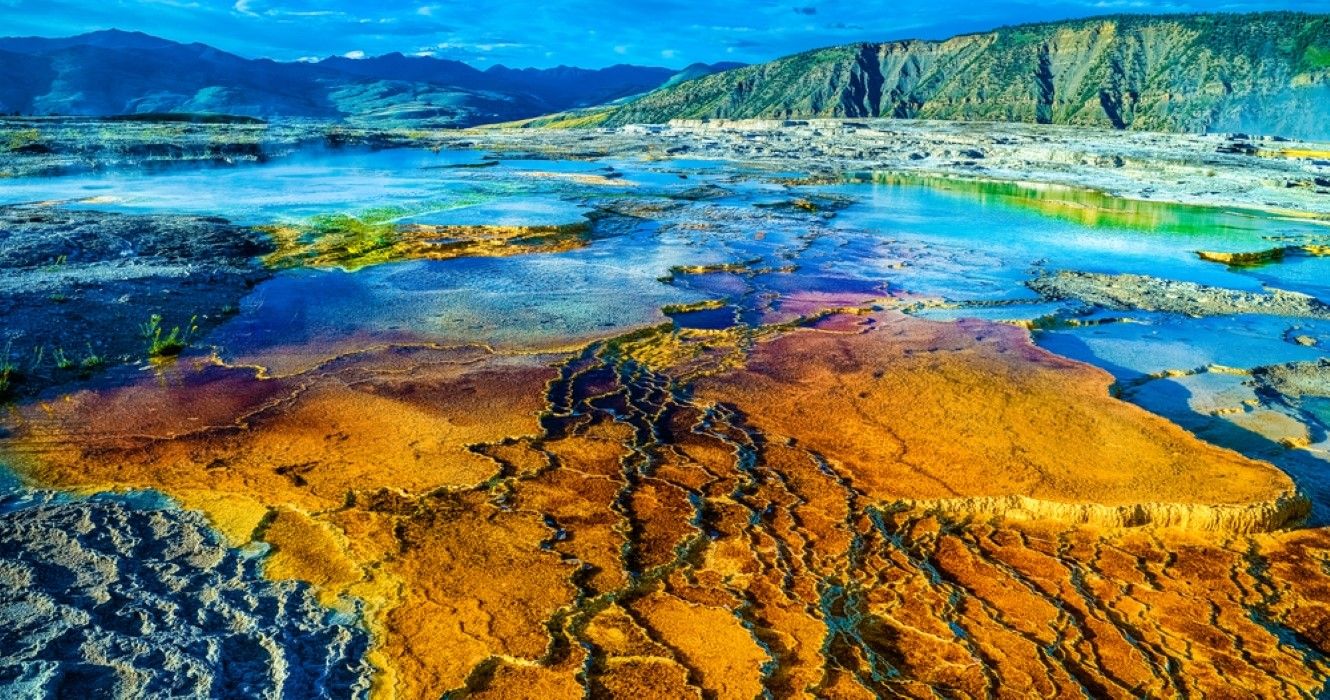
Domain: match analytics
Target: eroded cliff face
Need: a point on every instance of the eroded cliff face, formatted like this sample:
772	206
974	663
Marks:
1267	73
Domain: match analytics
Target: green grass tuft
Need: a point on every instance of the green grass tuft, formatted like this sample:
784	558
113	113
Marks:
9	373
162	344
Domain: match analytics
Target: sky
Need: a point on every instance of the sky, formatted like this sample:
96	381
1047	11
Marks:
587	33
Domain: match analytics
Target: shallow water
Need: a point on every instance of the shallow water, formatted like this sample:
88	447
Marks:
659	240
294	188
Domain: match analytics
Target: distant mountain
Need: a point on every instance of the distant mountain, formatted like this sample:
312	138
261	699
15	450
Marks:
1263	73
579	87
108	39
698	70
116	72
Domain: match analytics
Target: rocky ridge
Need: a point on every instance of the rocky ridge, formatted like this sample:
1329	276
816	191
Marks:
1266	73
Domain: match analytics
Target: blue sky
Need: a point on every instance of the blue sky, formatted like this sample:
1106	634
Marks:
588	33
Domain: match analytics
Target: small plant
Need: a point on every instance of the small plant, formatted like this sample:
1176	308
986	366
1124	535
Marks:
162	344
90	362
55	265
62	360
8	372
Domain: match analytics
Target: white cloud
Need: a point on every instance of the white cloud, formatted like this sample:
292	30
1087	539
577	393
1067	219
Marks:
356	55
245	7
426	10
621	49
486	47
668	53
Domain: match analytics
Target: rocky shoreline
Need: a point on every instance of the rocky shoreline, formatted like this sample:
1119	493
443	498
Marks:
79	290
52	146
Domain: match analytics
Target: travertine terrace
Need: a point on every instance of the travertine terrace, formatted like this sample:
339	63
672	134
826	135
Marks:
711	410
512	523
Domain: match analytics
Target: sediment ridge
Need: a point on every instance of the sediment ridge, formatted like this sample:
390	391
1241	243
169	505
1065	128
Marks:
1285	510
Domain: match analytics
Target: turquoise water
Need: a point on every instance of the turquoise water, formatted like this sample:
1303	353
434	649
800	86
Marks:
295	188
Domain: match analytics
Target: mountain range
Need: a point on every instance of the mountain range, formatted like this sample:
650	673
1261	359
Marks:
116	72
1264	73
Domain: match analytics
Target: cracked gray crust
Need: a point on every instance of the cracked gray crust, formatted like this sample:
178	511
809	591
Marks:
110	599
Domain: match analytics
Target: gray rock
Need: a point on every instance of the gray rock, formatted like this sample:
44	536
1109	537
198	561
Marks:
106	598
1141	292
79	284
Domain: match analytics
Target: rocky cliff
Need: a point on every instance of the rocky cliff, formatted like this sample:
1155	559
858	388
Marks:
1266	73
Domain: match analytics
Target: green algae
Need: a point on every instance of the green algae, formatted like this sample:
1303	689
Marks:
1086	207
349	241
377	236
9	373
23	138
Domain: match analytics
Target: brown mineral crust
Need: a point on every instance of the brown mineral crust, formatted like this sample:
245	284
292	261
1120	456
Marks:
511	681
339	460
821	511
936	412
401	420
1296	587
709	640
583	504
634	665
1112	637
617	634
519	456
304	549
641	540
646	678
473	587
662	510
